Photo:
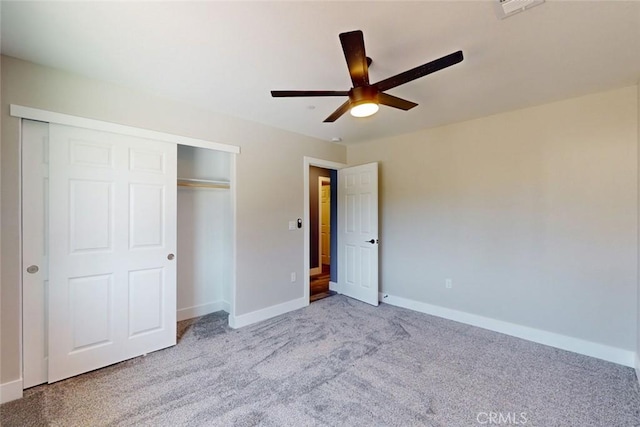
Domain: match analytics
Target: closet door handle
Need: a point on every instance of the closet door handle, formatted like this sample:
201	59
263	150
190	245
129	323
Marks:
170	257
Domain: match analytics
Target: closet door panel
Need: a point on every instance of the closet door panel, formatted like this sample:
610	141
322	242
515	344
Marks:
146	216
145	301
90	216
91	301
113	217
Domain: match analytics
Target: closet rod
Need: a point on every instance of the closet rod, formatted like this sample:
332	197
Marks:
202	183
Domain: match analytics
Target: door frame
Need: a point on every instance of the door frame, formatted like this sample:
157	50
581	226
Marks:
327	164
36	114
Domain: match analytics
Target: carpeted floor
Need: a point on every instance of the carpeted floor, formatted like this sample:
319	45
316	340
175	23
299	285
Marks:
341	362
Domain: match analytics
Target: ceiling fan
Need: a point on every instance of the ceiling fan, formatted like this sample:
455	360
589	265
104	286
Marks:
364	97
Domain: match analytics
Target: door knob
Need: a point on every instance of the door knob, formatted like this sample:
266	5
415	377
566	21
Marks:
33	269
372	241
170	257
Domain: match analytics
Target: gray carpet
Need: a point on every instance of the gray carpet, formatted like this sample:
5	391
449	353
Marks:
341	362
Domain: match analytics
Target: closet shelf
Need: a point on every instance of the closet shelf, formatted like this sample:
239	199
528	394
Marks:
202	183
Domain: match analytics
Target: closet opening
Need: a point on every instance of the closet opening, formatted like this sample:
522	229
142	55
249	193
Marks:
204	232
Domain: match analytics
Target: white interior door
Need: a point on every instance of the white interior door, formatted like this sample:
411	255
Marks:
112	272
358	232
35	231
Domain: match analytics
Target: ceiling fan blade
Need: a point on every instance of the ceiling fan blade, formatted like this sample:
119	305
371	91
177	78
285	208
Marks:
339	112
353	48
395	102
421	71
293	93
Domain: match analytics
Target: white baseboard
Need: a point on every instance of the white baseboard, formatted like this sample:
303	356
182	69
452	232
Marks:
267	313
576	345
11	391
201	310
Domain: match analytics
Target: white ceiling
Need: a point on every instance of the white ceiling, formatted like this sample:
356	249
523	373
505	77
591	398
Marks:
227	56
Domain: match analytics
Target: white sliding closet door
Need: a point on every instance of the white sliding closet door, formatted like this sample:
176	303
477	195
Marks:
35	263
112	271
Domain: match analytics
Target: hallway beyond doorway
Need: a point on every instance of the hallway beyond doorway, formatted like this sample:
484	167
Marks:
319	284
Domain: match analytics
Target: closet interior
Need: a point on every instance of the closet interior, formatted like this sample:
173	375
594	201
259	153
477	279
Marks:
204	223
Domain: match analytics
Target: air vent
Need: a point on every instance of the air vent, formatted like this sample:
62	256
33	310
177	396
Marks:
506	8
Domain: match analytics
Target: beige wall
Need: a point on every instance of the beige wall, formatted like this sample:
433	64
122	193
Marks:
269	182
533	214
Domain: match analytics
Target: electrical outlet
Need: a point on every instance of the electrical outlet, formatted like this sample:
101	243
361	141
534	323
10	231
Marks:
448	284
293	277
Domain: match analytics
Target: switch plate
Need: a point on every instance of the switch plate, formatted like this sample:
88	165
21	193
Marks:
292	225
293	277
448	283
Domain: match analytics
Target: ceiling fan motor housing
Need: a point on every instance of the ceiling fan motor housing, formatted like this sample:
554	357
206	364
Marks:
363	95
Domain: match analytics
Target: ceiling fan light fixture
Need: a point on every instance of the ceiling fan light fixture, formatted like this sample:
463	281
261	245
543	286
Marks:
364	101
365	109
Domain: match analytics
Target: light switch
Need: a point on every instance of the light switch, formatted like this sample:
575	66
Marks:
292	225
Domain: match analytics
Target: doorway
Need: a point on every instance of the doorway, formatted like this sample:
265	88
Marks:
354	264
318	177
320	227
314	170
